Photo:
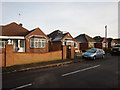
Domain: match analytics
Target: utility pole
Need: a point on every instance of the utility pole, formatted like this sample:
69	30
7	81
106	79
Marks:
105	37
106	31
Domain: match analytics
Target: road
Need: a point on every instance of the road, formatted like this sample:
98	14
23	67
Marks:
101	73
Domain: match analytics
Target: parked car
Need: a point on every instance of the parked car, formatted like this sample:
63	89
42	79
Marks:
115	50
94	53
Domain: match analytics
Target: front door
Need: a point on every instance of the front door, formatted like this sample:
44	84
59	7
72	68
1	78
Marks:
19	45
68	51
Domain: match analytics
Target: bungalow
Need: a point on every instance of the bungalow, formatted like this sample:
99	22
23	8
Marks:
85	41
59	39
99	42
104	43
111	42
22	39
117	40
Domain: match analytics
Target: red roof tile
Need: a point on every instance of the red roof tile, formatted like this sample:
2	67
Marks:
13	29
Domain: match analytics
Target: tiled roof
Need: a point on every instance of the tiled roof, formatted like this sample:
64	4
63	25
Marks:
98	39
83	38
13	29
39	32
109	39
54	34
118	40
59	37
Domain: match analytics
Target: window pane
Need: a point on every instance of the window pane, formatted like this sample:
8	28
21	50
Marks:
43	44
36	44
39	44
3	43
36	39
32	39
21	43
32	44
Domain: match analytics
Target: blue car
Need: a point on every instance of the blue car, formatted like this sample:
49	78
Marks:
94	53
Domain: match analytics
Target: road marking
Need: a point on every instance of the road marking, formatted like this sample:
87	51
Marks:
22	86
80	70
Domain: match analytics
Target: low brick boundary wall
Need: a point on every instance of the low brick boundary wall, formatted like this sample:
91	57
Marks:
2	59
11	58
26	58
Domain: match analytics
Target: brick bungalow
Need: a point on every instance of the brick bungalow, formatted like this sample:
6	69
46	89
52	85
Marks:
104	43
117	40
98	42
59	39
22	39
111	42
85	41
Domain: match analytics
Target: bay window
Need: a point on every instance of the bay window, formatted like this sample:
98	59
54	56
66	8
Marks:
37	43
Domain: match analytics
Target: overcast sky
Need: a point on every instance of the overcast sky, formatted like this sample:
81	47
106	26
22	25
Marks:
74	17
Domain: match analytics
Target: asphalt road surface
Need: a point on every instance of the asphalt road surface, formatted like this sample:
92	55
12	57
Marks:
101	73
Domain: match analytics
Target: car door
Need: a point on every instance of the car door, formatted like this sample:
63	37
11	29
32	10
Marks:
98	54
101	53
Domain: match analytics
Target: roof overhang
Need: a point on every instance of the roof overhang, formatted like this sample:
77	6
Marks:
12	37
38	36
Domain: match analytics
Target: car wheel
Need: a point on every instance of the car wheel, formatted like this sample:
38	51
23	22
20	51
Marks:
94	58
103	56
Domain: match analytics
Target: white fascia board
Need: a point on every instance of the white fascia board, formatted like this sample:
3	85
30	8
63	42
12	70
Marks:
12	37
37	36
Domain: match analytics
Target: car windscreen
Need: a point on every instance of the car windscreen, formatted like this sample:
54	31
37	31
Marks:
92	50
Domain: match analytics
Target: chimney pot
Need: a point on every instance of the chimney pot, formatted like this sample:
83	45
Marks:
20	24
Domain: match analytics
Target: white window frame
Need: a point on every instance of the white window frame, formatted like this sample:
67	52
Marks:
76	45
37	43
4	42
91	44
69	42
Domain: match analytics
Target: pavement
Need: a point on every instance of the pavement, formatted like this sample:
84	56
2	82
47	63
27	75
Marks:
100	73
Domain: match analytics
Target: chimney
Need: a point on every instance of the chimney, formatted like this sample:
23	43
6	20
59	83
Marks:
20	24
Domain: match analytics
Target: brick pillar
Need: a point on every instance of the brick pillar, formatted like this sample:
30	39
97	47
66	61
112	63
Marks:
64	52
72	52
9	55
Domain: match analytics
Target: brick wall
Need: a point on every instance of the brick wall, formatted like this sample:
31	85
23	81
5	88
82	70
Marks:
98	45
64	52
83	46
10	58
55	46
72	55
18	58
2	59
26	58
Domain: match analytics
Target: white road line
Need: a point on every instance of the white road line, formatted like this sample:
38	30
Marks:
80	70
22	86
